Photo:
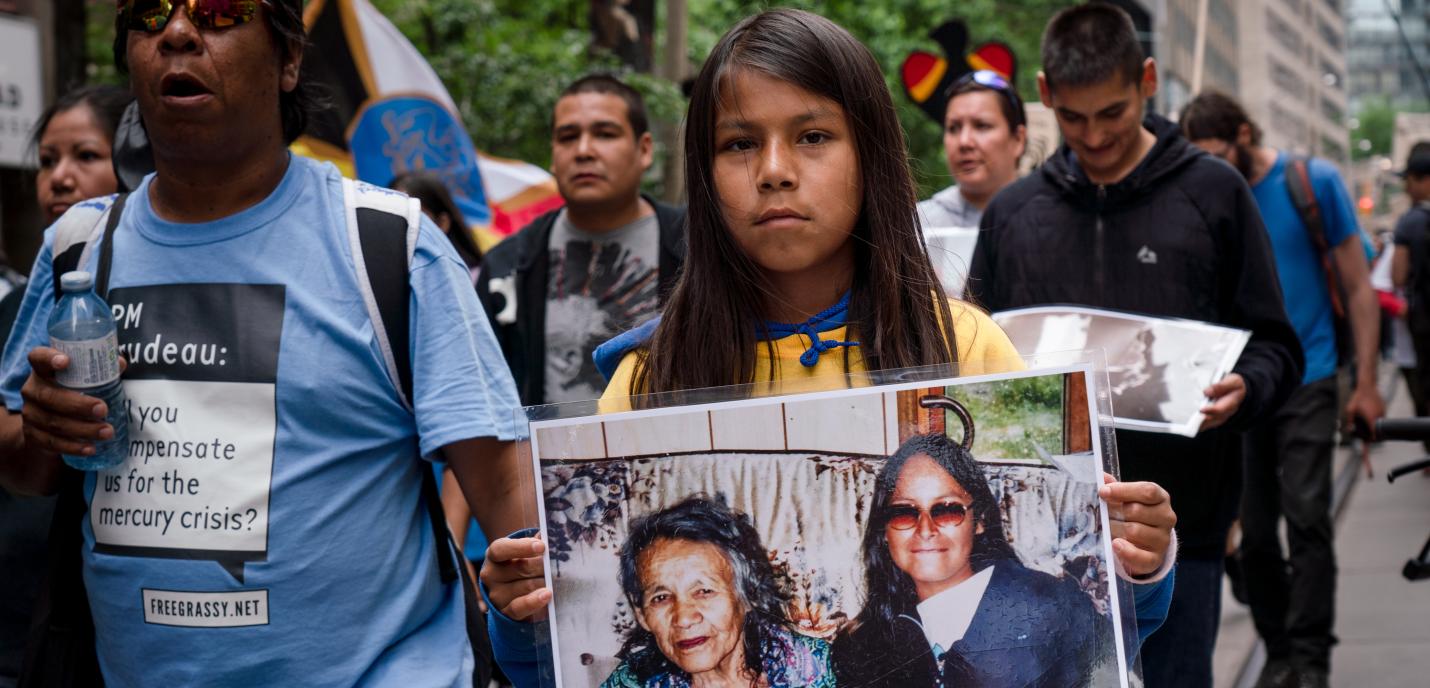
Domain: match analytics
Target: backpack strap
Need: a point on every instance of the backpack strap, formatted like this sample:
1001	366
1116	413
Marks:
1303	196
382	233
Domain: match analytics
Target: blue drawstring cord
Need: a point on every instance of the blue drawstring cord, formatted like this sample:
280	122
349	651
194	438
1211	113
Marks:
827	319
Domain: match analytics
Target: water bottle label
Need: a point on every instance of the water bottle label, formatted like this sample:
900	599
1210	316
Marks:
93	362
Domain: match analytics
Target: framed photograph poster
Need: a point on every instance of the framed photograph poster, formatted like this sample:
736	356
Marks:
901	534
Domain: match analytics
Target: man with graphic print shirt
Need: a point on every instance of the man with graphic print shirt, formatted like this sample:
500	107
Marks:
308	557
599	266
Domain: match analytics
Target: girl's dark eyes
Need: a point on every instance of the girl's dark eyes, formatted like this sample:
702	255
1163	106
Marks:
814	137
46	162
739	145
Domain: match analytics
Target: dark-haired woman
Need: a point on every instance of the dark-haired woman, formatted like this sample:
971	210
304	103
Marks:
948	602
73	139
708	609
438	204
985	133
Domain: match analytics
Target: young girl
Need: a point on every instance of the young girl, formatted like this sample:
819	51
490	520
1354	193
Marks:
805	259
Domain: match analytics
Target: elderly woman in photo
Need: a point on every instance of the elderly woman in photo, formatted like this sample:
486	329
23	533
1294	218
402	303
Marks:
948	601
708	609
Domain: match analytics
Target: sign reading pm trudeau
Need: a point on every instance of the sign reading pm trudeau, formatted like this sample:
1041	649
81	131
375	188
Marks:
203	363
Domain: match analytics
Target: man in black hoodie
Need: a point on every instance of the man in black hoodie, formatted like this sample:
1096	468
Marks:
1127	215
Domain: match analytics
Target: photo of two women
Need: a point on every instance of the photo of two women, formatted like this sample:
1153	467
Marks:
944	535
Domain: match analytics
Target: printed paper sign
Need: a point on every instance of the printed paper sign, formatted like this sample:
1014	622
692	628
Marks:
1158	366
203	361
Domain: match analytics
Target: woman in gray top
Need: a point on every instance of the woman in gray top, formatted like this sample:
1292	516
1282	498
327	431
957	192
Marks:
984	134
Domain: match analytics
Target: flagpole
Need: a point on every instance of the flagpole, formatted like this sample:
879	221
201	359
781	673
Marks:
1199	52
676	18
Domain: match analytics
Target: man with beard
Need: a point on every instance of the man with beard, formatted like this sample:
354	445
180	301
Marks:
1127	215
1288	456
601	265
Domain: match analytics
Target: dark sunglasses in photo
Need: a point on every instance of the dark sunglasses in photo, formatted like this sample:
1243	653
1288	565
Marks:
906	516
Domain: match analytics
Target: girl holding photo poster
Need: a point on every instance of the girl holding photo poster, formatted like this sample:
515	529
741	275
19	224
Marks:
805	260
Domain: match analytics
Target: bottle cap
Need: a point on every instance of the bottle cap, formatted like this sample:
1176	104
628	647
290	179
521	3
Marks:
76	280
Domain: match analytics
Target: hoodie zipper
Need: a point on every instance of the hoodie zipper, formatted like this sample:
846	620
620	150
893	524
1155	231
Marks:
1100	248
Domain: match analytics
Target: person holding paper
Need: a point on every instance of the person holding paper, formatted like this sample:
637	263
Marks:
804	263
1128	215
985	134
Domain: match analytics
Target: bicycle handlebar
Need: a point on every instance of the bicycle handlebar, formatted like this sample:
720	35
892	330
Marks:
1395	429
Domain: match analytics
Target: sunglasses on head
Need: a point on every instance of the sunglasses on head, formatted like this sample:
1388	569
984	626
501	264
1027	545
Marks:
151	16
988	78
906	516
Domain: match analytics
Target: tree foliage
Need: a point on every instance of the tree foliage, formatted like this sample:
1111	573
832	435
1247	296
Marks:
894	28
505	61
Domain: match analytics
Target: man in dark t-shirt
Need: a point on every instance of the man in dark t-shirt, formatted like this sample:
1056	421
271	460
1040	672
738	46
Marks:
1410	268
599	266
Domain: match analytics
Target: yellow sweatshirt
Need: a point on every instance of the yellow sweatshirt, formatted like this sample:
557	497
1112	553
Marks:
982	348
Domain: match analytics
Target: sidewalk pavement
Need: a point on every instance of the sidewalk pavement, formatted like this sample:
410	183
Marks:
1382	620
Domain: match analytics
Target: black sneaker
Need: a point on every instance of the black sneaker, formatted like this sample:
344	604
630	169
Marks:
1277	674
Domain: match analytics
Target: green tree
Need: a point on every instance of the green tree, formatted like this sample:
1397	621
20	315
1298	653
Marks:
1375	124
505	61
892	29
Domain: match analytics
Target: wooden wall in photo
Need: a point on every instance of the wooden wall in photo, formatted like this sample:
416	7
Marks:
915	419
1077	426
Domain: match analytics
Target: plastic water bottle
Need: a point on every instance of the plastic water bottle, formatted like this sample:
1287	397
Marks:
82	328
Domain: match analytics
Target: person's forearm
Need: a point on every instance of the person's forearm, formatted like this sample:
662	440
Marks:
24	470
1364	314
454	506
497	483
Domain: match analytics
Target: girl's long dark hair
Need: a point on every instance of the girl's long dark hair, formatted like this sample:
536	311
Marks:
890	592
722	293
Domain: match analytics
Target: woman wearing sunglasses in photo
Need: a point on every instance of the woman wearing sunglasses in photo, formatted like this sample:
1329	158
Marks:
948	601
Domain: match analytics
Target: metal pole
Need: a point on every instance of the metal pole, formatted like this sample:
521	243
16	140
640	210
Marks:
676	20
1199	52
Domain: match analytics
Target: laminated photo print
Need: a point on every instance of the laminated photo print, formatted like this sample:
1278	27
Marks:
943	532
1157	367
